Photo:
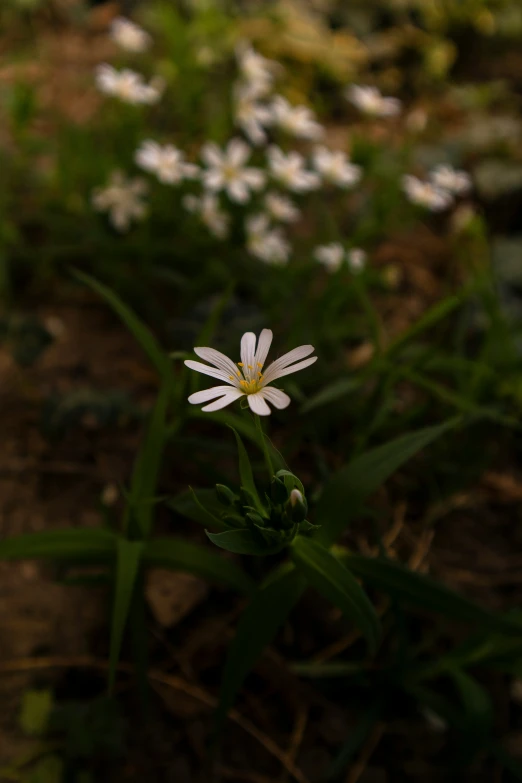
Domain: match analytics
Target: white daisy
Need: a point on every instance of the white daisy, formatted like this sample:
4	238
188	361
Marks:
227	171
335	168
127	85
281	208
426	194
289	170
255	69
122	199
166	161
209	210
370	101
250	115
453	180
129	35
265	243
298	121
356	259
247	377
330	256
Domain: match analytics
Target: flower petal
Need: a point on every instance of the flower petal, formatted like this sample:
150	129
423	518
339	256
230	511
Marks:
238	152
226	399
258	405
218	359
206	370
248	350
276	397
211	154
263	346
292	356
274	374
208	394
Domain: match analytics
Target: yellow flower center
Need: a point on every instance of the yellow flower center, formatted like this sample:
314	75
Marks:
249	383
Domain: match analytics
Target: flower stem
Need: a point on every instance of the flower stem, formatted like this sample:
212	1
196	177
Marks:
264	446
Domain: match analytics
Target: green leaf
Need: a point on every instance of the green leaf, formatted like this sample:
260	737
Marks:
140	505
257	626
476	702
79	544
35	712
245	472
181	555
129	555
357	737
347	490
334	391
199	505
336	583
141	333
404	585
429	319
244	541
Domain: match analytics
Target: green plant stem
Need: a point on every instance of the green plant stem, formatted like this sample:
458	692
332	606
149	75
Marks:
268	460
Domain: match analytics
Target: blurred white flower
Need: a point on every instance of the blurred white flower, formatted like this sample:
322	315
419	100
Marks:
166	161
356	259
453	180
426	194
129	35
370	101
298	121
257	71
247	377
265	243
281	208
289	170
335	168
122	199
226	170
128	85
210	212
330	256
250	115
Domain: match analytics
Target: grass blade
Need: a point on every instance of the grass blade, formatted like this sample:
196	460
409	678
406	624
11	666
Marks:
336	583
180	555
245	472
76	544
129	555
347	490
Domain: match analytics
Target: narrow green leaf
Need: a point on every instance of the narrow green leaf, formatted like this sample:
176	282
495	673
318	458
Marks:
128	562
336	583
334	391
437	313
257	626
140	504
199	505
80	544
180	555
245	472
141	333
403	585
244	541
476	702
347	490
358	735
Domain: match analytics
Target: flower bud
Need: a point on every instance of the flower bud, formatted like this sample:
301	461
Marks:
297	507
225	495
256	519
278	491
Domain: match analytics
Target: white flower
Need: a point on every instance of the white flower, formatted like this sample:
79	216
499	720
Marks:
255	69
129	35
227	171
335	168
330	256
281	208
426	194
167	162
356	259
247	377
212	216
127	85
289	170
298	121
266	244
250	115
122	199
454	181
370	101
